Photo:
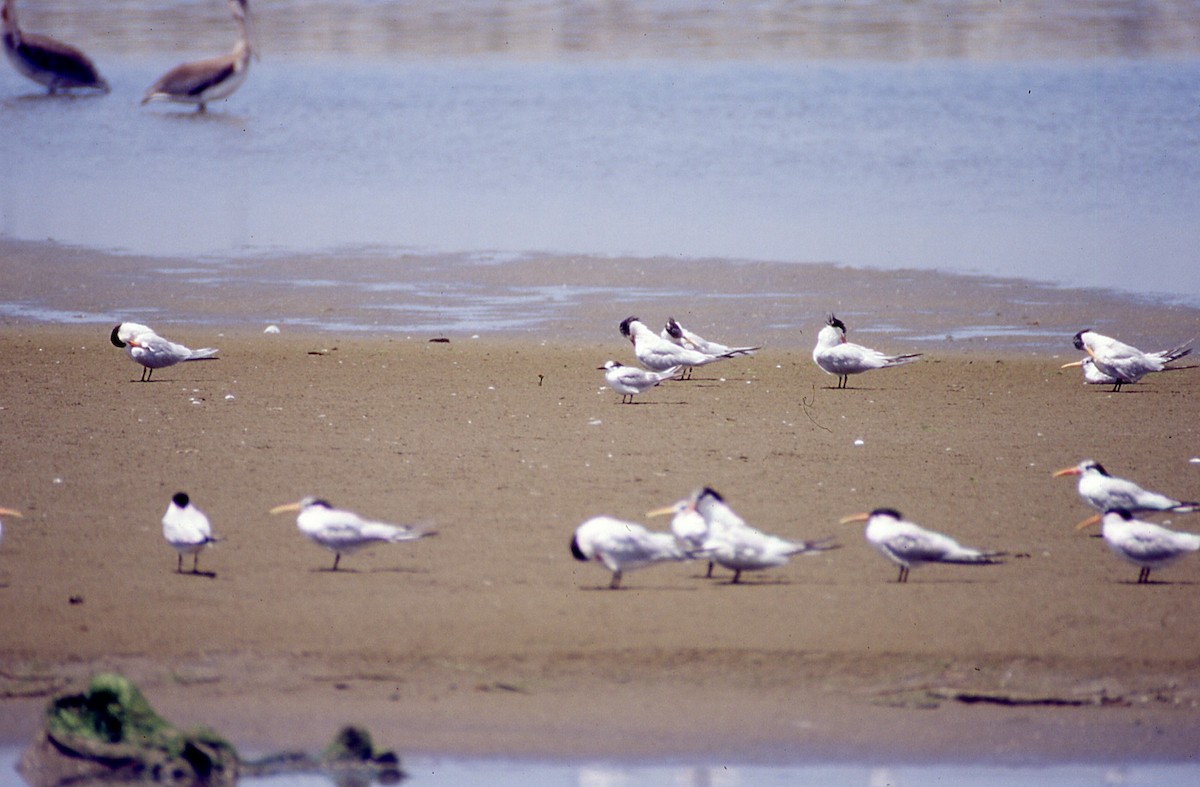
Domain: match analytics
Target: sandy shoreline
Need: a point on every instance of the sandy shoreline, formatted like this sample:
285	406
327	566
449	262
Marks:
490	639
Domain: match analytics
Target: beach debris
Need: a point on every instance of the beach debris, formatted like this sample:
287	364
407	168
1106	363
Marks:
110	733
271	329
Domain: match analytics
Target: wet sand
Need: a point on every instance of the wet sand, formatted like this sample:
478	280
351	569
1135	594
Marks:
490	639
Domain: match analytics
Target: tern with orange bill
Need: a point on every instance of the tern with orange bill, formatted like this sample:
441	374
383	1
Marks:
676	333
732	543
1105	492
1121	362
7	512
1144	544
345	531
908	545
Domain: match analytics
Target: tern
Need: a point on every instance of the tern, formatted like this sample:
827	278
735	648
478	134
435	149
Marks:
687	525
839	357
623	546
1143	543
152	351
657	354
208	80
630	380
1093	376
1121	362
52	64
1104	492
7	512
674	332
908	545
187	530
735	545
345	531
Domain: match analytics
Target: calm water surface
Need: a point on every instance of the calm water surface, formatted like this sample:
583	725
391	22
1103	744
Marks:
1080	170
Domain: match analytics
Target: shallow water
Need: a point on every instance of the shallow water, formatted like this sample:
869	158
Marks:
1069	167
497	772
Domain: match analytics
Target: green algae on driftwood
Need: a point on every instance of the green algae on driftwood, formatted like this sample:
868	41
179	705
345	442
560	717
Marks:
109	733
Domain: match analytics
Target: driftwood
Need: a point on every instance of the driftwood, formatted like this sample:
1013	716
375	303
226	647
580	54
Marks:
108	734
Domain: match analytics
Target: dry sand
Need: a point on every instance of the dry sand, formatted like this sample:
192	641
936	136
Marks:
490	638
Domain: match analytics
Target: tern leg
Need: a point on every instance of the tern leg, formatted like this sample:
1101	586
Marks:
710	568
1144	576
336	557
179	564
195	563
737	576
616	581
903	574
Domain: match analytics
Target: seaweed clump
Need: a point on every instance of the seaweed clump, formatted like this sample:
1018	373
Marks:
110	733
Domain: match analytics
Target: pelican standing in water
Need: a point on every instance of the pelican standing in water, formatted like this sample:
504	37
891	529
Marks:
212	79
50	63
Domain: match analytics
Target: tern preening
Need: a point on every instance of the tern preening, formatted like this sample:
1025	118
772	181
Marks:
908	545
1121	362
630	380
187	530
657	354
152	351
1143	543
1104	492
676	333
623	546
345	531
52	64
208	80
839	357
7	512
735	545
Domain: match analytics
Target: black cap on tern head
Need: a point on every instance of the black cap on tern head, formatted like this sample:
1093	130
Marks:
836	323
180	499
115	339
576	552
708	491
673	328
1079	339
1121	512
1092	464
887	512
624	326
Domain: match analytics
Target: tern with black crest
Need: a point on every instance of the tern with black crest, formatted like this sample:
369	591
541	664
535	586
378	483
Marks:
622	546
908	545
187	530
732	543
657	354
151	351
1124	363
674	332
345	531
1105	492
841	358
1146	545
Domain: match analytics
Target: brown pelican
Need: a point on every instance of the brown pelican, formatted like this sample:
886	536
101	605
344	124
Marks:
212	79
50	63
